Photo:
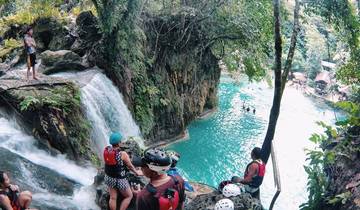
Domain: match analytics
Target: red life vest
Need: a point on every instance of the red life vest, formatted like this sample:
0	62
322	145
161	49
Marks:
258	179
113	167
13	197
168	200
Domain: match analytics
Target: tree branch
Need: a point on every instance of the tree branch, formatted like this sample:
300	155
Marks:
290	56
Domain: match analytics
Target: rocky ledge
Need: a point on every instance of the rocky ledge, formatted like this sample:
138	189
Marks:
50	109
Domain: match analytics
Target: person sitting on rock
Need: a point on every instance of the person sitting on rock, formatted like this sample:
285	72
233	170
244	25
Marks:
173	171
117	165
10	196
164	192
254	174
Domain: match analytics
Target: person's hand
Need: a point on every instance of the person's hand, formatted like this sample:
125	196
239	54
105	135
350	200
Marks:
14	187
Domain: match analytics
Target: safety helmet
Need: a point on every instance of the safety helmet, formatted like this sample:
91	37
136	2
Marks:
231	190
115	138
224	204
174	157
157	160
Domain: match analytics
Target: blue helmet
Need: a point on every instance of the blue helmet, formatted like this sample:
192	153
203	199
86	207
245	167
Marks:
115	138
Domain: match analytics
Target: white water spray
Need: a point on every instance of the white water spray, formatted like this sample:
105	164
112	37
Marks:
104	107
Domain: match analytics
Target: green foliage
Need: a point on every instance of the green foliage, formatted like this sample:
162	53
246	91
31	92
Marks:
9	46
353	114
342	16
342	197
28	103
320	158
57	98
317	181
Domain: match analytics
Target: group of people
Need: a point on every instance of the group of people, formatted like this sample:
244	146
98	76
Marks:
248	109
166	189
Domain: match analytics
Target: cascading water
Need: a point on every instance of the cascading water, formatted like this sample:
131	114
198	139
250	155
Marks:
104	107
56	182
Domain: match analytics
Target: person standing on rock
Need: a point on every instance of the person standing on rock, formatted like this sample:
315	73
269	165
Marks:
254	174
164	192
117	165
30	48
10	196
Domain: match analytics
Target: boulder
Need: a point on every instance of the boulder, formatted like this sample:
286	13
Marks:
208	201
50	34
87	31
61	60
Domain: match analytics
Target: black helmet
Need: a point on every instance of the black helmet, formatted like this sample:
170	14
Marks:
157	160
174	157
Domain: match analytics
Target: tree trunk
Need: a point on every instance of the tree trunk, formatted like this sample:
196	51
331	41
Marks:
275	109
280	77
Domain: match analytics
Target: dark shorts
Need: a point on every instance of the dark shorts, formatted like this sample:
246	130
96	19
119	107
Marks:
31	59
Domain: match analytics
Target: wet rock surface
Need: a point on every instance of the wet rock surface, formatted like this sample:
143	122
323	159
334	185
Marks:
50	108
41	178
60	61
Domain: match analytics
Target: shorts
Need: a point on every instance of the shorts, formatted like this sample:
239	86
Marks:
120	184
31	59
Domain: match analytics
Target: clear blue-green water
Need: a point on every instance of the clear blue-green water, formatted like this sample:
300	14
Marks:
219	146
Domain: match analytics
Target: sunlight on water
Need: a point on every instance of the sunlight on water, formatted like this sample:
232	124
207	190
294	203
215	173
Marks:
220	146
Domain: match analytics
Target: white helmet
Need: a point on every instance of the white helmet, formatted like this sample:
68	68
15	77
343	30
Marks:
231	190
224	204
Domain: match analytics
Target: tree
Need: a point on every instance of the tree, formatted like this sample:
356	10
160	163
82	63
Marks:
281	75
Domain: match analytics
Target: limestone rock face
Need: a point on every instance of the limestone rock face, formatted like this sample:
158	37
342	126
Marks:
61	60
50	108
87	32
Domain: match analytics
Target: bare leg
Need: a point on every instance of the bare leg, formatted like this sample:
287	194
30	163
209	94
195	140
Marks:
28	68
5	202
128	195
112	201
25	199
34	77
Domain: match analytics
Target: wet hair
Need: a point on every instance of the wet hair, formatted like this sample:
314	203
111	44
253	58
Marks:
2	178
256	153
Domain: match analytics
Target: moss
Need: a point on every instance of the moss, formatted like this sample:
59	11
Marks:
9	46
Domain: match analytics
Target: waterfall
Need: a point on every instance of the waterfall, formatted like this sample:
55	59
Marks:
104	107
56	183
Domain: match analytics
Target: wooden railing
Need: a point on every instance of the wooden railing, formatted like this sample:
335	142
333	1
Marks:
276	176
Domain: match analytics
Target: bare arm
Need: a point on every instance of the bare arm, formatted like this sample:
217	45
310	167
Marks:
5	202
125	157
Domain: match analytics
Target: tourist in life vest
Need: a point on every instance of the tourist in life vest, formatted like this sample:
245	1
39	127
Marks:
164	192
117	166
175	157
10	196
254	174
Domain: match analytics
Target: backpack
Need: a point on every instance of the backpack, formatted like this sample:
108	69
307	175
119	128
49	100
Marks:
170	198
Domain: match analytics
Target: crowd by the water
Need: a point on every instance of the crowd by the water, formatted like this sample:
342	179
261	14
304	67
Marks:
166	187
